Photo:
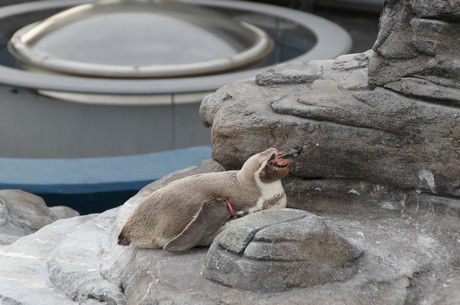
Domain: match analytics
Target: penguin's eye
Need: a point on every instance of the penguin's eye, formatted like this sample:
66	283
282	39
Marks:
272	157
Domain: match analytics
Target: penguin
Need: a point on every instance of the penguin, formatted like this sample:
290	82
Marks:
189	212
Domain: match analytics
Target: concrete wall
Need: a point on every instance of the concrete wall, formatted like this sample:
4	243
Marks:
33	126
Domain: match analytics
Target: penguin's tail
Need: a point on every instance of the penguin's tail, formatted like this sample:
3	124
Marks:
123	239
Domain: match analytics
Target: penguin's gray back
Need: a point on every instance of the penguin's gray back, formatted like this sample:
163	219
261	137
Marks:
168	210
176	216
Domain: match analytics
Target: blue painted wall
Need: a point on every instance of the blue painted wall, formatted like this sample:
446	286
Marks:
92	185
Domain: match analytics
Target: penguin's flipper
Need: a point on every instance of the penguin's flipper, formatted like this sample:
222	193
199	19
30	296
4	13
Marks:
210	218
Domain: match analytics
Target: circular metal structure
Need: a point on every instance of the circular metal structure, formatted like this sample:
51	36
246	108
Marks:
139	39
115	115
122	115
330	41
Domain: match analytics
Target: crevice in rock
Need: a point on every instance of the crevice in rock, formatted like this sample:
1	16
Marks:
340	121
445	18
422	283
430	100
444	196
9	301
251	235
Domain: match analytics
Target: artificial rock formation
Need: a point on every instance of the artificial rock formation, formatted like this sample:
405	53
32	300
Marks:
350	130
381	167
274	250
23	213
417	50
389	116
408	256
380	128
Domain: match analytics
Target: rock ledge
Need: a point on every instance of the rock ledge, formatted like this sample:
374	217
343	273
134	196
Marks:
274	250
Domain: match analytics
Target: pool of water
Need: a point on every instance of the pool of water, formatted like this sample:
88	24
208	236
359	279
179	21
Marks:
291	40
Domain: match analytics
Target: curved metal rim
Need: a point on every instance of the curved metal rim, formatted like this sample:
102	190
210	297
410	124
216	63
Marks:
261	47
332	41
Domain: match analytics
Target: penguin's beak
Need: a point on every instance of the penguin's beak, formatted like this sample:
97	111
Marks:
275	160
281	160
292	153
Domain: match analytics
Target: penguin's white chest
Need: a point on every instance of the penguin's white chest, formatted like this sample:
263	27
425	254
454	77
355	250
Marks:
272	196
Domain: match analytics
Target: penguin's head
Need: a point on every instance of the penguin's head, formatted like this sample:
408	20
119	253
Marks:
269	165
273	167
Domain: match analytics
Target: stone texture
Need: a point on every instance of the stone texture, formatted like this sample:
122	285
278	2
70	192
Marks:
405	251
72	273
381	167
418	39
449	9
279	249
62	212
348	130
410	250
64	262
388	116
23	213
379	129
24	271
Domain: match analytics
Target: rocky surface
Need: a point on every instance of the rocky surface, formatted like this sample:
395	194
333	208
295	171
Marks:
381	168
349	130
23	213
275	250
417	50
61	263
388	116
380	128
24	277
409	256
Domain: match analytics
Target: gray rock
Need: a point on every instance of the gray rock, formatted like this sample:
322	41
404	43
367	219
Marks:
417	39
436	9
236	237
380	130
25	209
118	263
6	239
274	250
77	261
347	130
63	211
410	250
425	89
24	271
405	251
434	36
72	272
22	213
381	167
